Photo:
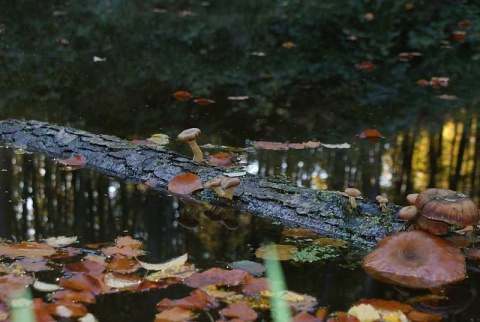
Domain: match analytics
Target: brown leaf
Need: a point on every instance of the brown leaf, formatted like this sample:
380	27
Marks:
123	264
185	184
366	65
221	159
216	276
276	252
182	95
75	161
34	264
239	310
203	101
66	309
371	135
126	251
253	286
86	297
128	241
305	317
197	300
82	282
88	266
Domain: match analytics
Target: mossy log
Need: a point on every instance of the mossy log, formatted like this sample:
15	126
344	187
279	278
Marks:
327	212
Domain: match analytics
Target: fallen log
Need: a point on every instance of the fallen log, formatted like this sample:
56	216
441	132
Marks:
326	212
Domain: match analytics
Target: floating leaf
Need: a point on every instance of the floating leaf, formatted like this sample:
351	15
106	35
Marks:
126	251
176	314
86	297
27	249
181	272
337	146
371	135
121	281
61	241
276	252
289	44
34	264
216	276
122	264
178	261
298	233
81	282
366	65
197	299
97	59
182	95
459	35
266	145
45	287
254	286
326	241
75	161
203	101
66	309
159	139
128	241
253	268
239	310
221	159
437	82
238	98
185	184
408	56
447	97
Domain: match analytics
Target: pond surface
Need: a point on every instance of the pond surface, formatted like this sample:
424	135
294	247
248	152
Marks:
277	71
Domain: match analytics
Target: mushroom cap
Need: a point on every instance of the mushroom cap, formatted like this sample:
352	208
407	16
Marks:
189	134
382	200
230	182
353	192
447	205
411	198
415	259
213	183
431	226
408	212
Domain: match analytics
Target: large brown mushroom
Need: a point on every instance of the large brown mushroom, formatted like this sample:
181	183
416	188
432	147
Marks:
415	259
189	136
448	206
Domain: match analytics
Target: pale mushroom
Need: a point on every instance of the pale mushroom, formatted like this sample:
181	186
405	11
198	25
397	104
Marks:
189	136
352	194
228	184
383	203
215	184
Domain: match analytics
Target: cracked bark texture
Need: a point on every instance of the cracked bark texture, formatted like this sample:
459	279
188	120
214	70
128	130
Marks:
326	212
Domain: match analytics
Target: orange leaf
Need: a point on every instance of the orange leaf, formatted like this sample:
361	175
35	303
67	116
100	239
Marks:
27	249
270	145
371	135
182	95
128	241
76	296
176	314
185	184
197	300
82	282
253	286
123	264
75	161
203	101
221	159
366	65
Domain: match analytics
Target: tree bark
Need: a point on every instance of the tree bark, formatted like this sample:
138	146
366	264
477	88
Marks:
327	212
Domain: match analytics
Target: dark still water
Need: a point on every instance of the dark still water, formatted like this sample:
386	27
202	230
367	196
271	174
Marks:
276	71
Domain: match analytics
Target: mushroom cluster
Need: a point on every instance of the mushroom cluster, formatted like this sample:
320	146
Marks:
434	209
223	186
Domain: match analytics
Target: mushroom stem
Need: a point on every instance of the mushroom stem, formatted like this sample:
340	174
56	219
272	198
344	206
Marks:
197	153
229	193
352	202
219	191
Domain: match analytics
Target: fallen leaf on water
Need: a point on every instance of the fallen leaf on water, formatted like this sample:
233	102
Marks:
27	249
182	95
464	23
459	35
298	233
288	44
122	264
337	146
181	272
197	299
253	268
97	59
305	317
176	314
203	101
254	286
66	309
81	282
447	97
121	281
177	261
61	241
45	287
34	264
239	310
76	296
238	98
437	82
407	56
126	251
185	184
276	252
159	139
74	161
366	65
221	159
128	241
216	276
371	135
423	82
285	146
94	268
